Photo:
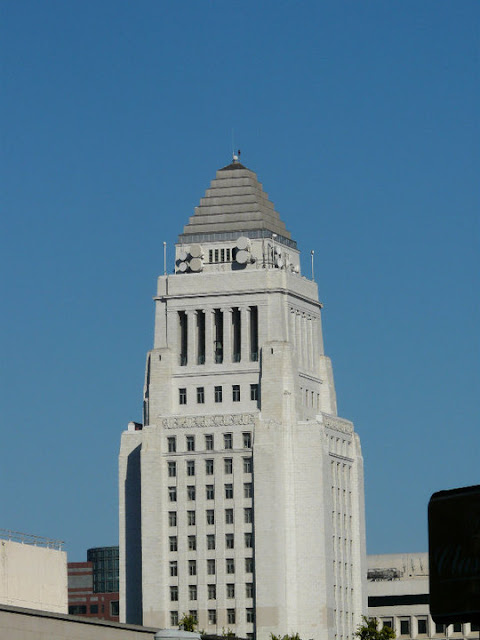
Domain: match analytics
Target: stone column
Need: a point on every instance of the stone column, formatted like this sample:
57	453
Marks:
209	346
298	339
227	334
191	341
310	343
291	328
244	334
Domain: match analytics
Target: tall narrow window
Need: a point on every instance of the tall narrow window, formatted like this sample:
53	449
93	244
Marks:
183	337
182	396
190	443
209	467
200	337
236	334
254	333
200	395
254	392
190	467
247	440
172	469
236	393
211	541
172	444
191	517
218	394
227	440
209	442
218	346
230	565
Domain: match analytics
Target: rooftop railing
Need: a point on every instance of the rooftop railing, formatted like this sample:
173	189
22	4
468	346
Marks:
28	538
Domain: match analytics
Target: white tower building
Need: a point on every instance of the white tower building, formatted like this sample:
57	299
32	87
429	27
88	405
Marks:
241	495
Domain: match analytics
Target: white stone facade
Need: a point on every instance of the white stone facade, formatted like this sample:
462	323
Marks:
33	576
241	495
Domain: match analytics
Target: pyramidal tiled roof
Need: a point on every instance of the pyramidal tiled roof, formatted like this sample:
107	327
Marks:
235	203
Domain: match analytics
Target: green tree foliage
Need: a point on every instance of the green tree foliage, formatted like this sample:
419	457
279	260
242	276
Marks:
188	622
369	630
293	636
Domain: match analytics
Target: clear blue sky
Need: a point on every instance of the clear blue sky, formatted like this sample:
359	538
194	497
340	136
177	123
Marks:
362	121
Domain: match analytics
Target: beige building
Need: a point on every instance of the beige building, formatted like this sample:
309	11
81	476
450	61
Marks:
33	572
241	494
398	595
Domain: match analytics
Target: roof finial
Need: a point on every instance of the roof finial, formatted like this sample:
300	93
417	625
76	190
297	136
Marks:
236	156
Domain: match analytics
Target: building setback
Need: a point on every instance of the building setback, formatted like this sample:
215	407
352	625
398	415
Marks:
241	494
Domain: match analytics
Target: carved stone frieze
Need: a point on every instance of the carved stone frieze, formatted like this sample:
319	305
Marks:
221	420
338	424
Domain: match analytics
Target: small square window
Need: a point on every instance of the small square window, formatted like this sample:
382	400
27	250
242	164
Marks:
387	622
192	567
228	516
422	626
209	442
439	628
249	590
405	627
174	594
172	469
192	543
230	590
247	490
457	627
191	492
174	618
248	565
172	518
254	392
227	440
212	616
236	393
212	591
247	440
229	491
172	444
247	465
209	467
229	541
248	515
210	516
172	494
200	395
249	540
190	467
228	465
173	568
231	616
192	592
210	491
218	394
211	567
211	541
182	396
173	543
230	565
191	518
94	608
190	443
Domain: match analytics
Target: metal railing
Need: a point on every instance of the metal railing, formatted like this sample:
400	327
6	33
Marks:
28	538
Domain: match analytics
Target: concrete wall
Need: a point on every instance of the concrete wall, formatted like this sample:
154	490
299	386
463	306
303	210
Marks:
28	624
33	577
